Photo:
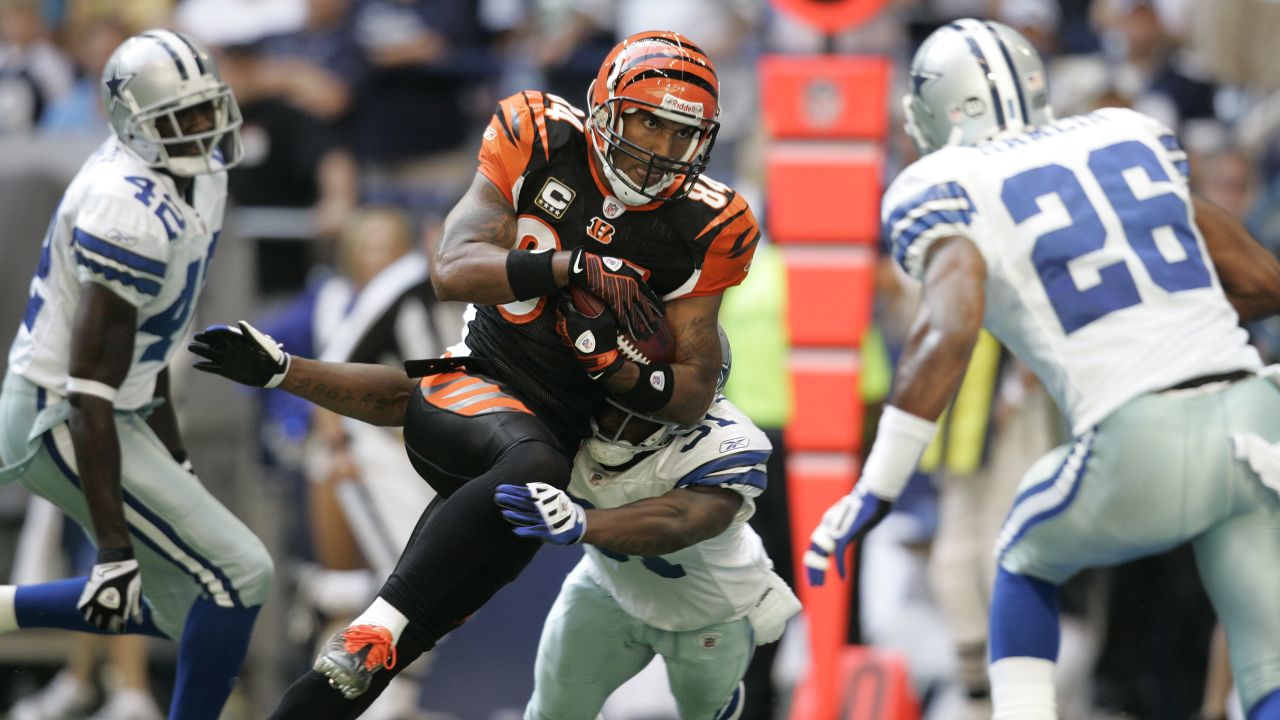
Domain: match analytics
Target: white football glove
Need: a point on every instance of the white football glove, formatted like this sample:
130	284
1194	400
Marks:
112	596
541	511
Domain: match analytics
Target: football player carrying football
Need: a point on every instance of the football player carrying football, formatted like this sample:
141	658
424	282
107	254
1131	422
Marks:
1079	246
87	421
611	202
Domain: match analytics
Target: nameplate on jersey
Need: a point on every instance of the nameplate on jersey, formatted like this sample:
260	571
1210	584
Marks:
554	198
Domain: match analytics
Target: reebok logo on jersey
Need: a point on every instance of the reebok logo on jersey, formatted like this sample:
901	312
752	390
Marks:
734	444
586	342
554	198
490	133
122	239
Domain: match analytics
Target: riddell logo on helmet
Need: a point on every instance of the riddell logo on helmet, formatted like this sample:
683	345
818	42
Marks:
675	104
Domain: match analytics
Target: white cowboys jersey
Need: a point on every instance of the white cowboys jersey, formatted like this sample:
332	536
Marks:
1087	229
715	581
122	225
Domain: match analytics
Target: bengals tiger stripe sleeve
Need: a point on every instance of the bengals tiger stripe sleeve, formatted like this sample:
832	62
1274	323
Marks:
516	126
731	239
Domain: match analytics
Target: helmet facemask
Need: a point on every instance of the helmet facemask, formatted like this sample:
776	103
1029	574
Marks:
661	173
618	434
663	76
156	134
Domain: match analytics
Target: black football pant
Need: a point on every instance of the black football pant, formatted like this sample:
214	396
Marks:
462	550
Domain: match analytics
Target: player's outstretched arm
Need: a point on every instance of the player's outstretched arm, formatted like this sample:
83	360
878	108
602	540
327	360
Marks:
927	377
1250	274
652	526
375	394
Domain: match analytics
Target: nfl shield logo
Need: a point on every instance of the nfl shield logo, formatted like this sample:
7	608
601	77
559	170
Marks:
709	640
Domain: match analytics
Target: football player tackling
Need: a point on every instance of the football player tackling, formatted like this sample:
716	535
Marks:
87	421
610	202
1077	243
671	565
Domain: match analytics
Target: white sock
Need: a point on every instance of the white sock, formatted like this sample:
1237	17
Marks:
8	614
1022	689
384	614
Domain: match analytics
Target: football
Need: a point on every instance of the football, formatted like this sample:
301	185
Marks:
660	347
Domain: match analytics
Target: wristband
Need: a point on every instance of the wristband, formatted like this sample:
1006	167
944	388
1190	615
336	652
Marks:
115	555
529	273
900	441
97	389
652	391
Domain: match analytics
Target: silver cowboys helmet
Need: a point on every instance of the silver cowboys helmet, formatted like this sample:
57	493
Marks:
609	448
147	84
972	81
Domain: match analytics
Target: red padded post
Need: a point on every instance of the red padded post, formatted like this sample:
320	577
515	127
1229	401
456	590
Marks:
815	481
828	408
825	96
824	192
829	294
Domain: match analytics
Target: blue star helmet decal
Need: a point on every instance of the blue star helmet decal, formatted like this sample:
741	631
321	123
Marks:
921	78
116	84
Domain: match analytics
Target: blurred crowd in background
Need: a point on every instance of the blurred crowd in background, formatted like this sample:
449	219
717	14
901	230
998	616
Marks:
362	118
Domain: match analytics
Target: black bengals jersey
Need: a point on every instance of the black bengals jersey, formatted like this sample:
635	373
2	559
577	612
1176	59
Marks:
536	152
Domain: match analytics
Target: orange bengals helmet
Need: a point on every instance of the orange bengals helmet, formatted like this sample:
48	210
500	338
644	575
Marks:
663	73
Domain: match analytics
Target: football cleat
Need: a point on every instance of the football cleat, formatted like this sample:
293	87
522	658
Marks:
351	657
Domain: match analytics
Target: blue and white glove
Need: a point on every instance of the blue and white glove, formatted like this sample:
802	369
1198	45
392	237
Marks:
541	511
113	594
844	523
240	353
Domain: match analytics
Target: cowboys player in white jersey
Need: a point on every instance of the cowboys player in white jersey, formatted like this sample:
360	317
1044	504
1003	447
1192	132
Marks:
1077	243
87	421
671	565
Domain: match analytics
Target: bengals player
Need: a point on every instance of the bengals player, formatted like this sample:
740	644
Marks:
624	181
611	201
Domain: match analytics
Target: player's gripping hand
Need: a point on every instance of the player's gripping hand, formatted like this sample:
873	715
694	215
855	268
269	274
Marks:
594	340
844	523
539	510
621	287
240	353
113	594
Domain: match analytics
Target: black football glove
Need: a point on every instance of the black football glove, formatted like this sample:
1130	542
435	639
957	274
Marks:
113	594
593	340
240	353
621	287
